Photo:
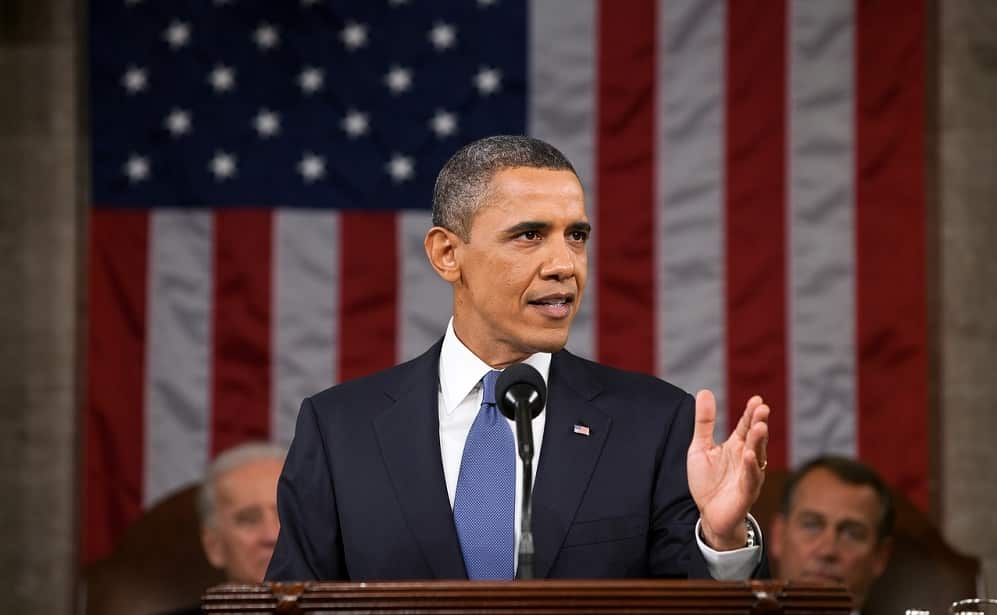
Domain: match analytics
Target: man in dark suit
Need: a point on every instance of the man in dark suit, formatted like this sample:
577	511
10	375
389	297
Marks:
383	479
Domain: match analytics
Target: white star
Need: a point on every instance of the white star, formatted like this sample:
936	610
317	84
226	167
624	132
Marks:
443	123
488	80
354	35
310	80
311	167
178	34
355	123
178	122
443	36
137	168
266	123
397	2
398	79
486	3
222	165
222	78
266	36
135	79
400	168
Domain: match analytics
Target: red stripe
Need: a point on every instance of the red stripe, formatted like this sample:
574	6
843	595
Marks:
890	242
625	184
756	202
369	293
115	378
240	396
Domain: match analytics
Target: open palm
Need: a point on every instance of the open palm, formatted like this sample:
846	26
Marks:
725	479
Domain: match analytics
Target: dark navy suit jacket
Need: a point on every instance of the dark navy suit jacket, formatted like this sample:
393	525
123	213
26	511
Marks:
363	497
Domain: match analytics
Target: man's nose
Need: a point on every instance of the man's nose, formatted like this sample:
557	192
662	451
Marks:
827	545
270	529
560	261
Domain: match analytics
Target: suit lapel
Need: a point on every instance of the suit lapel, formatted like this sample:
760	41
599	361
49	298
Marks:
567	459
409	435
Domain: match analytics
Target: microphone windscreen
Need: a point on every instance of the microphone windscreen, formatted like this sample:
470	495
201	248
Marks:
520	382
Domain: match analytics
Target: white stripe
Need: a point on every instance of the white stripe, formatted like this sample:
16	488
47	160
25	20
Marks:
821	230
305	299
178	351
690	270
426	300
561	100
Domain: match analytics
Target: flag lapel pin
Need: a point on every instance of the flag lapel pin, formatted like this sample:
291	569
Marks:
582	430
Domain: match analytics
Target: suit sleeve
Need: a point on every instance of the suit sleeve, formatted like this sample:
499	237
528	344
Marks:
309	546
673	551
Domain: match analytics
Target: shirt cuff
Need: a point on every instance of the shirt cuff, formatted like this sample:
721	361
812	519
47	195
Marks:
735	565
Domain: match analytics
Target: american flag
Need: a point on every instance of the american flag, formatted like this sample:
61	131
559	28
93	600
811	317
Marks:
262	175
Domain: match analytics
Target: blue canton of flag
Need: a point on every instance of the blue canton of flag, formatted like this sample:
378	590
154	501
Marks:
348	105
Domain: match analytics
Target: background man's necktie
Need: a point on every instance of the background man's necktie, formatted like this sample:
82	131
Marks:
484	505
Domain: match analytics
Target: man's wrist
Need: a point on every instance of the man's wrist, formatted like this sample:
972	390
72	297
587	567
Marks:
743	537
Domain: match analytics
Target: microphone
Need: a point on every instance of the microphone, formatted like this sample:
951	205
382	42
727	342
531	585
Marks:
521	393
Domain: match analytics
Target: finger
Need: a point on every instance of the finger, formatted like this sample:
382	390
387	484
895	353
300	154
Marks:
706	417
758	437
744	423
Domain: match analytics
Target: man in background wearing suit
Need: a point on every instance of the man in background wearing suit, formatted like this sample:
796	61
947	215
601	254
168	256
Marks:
835	525
390	476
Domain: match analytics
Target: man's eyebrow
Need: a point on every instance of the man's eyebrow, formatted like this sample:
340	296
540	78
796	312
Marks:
528	225
580	226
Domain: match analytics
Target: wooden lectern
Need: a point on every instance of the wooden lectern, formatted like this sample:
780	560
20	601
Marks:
538	597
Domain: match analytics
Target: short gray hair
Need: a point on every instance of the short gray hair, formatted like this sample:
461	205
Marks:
464	179
226	461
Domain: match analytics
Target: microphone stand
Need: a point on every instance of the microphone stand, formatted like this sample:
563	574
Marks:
524	431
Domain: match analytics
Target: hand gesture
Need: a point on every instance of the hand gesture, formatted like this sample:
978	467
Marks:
725	479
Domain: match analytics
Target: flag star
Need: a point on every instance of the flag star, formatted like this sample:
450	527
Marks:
400	168
135	79
266	123
311	167
355	123
354	35
443	36
310	80
222	78
486	3
137	168
222	165
178	122
443	123
177	35
488	80
398	79
266	36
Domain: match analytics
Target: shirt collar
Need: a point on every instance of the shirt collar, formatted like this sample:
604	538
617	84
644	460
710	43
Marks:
461	370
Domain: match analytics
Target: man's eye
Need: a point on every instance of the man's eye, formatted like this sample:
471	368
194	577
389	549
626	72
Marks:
581	236
530	235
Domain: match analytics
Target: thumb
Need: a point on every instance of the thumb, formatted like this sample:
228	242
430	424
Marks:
706	418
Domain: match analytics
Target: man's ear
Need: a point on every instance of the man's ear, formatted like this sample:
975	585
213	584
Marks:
883	551
213	548
775	536
441	250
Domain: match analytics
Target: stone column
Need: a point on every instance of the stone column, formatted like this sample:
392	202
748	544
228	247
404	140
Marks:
40	240
967	284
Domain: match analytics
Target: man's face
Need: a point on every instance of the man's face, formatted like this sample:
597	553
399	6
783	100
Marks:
244	532
519	280
830	534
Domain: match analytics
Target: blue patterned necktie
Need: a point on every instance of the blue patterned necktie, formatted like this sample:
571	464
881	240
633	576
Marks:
484	506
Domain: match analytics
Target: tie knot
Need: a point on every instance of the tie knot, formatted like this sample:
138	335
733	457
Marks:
488	387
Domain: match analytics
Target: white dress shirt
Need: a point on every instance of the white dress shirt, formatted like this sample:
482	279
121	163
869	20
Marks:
460	393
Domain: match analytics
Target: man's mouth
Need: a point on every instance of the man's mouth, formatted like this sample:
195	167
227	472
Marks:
556	305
